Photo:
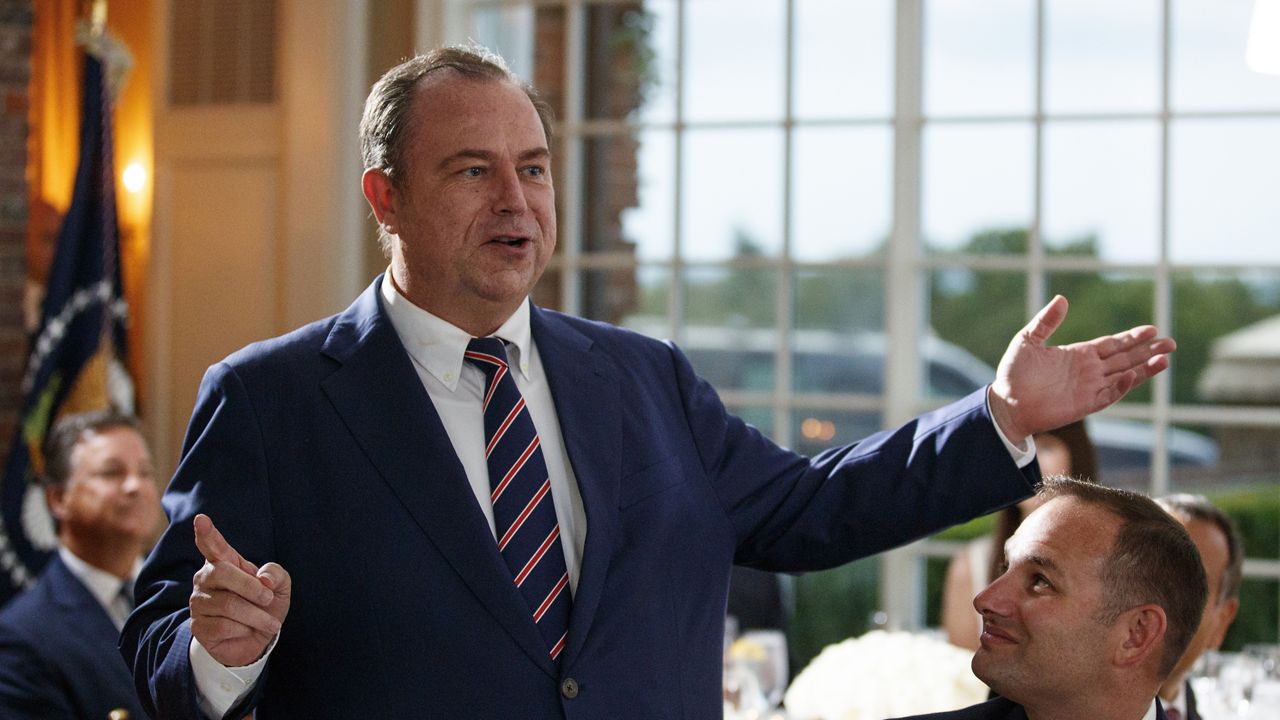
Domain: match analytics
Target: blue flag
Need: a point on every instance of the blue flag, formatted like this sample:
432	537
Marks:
74	363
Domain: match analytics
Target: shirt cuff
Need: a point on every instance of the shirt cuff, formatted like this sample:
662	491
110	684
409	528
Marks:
218	687
1022	456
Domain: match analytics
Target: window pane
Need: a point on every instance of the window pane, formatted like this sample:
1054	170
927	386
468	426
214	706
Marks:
1228	338
1102	56
508	31
1208	70
613	181
649	307
650	223
844	66
842	192
1102	189
732	298
616	296
977	179
728	328
1223	207
979	57
978	311
1232	460
816	430
734	59
630	65
840	301
838	343
732	193
1258	620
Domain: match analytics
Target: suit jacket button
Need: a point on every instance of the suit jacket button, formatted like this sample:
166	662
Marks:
569	688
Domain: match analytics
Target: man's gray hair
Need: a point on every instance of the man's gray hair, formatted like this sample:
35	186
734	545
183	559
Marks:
1198	507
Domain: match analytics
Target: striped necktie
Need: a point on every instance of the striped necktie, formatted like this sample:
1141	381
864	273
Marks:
524	515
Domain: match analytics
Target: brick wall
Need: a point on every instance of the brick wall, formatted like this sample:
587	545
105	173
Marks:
15	72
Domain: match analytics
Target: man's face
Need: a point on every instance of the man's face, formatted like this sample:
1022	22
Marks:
475	213
1041	636
1214	553
111	495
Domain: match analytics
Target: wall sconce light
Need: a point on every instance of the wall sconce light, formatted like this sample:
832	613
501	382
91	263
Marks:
1263	54
135	177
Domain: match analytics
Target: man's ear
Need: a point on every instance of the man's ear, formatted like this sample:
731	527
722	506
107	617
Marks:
382	196
1143	631
1226	615
55	498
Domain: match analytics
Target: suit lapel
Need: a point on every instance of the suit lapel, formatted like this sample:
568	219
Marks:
383	404
72	599
587	405
78	612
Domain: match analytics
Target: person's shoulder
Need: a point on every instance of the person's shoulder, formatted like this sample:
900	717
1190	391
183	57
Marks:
607	336
26	615
302	341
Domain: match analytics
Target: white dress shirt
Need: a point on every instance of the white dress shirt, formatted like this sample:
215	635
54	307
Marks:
104	586
456	388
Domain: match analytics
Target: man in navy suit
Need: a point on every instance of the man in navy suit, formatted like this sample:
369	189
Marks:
359	562
1222	552
1102	594
58	656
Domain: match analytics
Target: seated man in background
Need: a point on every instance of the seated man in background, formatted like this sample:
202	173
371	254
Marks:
58	656
1221	552
1102	593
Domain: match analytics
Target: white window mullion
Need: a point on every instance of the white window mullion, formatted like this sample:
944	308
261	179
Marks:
1037	283
901	571
676	307
784	301
1162	387
571	176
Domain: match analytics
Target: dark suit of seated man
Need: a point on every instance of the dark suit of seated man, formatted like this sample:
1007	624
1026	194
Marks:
1102	594
58	656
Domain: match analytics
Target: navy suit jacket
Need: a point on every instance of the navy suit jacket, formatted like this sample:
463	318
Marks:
58	655
321	450
996	709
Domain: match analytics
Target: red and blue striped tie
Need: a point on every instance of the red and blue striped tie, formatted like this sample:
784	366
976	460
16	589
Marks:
524	515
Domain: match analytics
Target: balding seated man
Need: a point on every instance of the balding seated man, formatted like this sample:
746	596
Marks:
1102	593
1221	552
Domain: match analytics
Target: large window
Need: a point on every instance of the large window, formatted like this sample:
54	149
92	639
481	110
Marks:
842	211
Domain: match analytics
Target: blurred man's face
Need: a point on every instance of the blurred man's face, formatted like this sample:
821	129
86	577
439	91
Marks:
1217	617
111	495
1041	636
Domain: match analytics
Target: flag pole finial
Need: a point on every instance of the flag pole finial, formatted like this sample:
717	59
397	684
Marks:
98	18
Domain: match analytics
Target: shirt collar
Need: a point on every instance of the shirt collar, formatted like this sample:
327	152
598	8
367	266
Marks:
1179	701
104	586
438	346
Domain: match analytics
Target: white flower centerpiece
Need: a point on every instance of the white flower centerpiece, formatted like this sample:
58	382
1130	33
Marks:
884	675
